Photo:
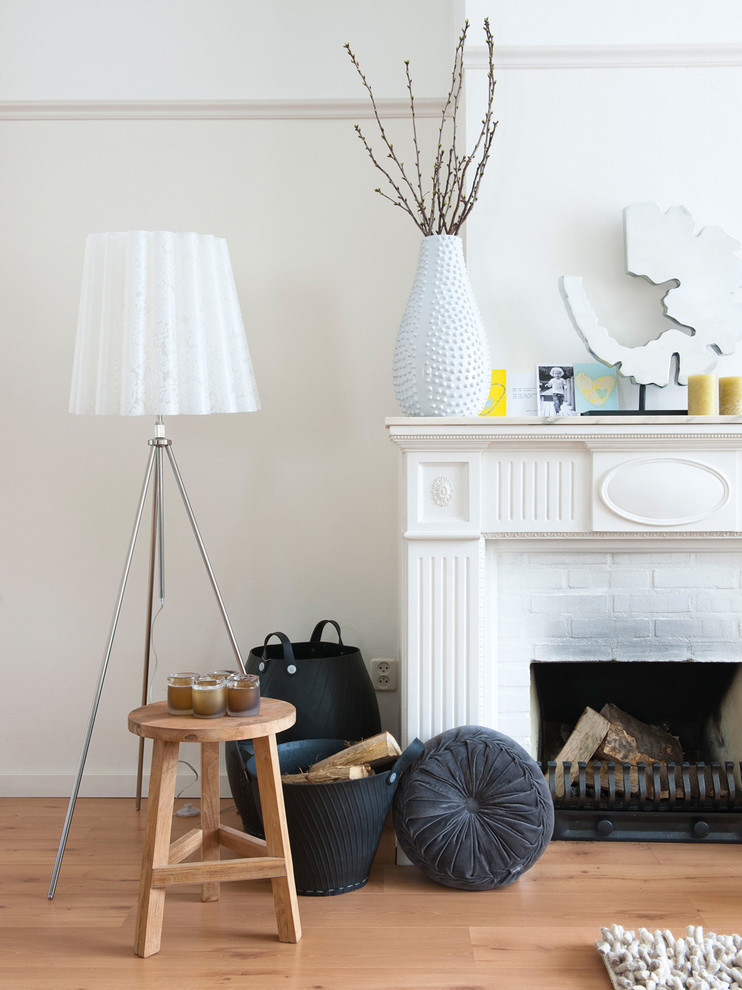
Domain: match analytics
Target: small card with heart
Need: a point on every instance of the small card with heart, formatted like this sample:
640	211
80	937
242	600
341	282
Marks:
496	404
596	388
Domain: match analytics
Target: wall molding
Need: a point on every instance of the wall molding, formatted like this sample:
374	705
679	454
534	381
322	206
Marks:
717	55
531	57
60	109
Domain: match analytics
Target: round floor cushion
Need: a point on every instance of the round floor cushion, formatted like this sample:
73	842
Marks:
474	810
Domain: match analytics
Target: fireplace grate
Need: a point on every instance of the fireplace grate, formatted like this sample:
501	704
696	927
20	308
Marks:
659	802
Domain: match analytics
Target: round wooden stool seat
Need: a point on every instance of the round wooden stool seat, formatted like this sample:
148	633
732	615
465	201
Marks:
163	862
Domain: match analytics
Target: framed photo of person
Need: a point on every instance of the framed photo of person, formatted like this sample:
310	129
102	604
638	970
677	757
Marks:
556	390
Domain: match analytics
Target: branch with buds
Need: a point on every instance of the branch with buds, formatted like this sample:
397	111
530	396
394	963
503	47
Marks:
455	178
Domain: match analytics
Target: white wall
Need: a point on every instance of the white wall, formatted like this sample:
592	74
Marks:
296	503
575	145
323	269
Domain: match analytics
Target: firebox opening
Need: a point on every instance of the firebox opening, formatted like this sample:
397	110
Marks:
700	702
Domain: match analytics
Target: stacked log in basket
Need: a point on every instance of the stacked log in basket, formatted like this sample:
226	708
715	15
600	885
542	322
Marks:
352	763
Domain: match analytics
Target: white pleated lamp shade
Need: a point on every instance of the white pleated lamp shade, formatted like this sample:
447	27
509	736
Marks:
160	330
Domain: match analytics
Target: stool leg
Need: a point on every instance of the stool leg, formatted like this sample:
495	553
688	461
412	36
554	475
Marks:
277	836
151	904
210	813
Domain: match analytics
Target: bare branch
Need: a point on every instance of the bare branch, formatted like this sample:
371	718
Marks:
455	179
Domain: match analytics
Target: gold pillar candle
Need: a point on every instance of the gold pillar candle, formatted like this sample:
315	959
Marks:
179	693
209	697
243	694
703	395
730	396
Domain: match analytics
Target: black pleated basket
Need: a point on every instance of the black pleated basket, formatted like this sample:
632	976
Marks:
334	828
330	688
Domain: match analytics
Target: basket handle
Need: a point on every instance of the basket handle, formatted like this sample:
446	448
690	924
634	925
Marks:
288	652
317	633
408	757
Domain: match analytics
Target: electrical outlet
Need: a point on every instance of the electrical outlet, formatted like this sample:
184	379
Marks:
384	674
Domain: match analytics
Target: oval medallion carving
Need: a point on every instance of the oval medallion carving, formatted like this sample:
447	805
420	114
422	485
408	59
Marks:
664	491
442	491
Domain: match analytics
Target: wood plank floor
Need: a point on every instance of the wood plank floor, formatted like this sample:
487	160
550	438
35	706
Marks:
400	932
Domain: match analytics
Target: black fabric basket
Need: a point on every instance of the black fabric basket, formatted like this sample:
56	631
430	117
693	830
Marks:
330	688
327	683
334	828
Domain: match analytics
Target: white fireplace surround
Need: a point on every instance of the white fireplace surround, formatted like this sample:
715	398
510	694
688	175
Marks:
472	489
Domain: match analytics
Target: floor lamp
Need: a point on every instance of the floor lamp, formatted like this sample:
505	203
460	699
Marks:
159	333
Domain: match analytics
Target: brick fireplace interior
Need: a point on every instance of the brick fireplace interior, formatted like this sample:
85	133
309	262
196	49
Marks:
655	633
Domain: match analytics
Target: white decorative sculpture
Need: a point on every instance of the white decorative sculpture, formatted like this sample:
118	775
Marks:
663	247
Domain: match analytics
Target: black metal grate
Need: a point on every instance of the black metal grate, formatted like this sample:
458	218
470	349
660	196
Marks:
660	802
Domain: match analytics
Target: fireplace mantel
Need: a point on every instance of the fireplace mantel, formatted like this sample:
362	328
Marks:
473	483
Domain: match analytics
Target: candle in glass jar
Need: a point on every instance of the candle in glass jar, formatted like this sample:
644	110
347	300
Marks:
179	693
703	395
243	694
209	697
730	396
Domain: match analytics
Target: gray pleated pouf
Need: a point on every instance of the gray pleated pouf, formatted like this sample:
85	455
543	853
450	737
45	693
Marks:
474	811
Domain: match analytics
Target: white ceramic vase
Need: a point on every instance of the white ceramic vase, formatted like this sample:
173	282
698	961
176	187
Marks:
441	358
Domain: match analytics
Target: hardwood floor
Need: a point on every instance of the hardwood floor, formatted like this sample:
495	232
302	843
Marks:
400	932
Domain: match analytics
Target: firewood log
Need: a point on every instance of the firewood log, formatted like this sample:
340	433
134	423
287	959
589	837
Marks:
587	735
328	775
374	750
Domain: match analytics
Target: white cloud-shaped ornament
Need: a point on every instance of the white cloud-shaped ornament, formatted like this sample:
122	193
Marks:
664	247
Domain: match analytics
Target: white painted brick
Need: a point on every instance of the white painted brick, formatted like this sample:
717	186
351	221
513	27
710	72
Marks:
575	649
587	577
675	627
718	558
695	577
535	578
652	649
707	601
716	628
661	602
566	558
574	604
635	578
659	559
702	650
622	604
614	629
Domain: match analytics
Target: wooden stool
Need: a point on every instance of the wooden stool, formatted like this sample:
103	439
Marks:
162	861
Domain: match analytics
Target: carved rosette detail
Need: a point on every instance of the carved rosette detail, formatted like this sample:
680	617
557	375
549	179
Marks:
442	491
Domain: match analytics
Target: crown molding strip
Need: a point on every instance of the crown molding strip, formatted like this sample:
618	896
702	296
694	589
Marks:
214	109
607	56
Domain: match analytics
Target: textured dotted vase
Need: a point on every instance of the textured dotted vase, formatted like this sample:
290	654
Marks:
441	358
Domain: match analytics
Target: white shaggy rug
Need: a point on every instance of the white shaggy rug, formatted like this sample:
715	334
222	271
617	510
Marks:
645	960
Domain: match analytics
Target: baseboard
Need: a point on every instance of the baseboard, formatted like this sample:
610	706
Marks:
106	785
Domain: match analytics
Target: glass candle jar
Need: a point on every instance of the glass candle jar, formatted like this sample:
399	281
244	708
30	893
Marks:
179	693
209	697
222	675
243	694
